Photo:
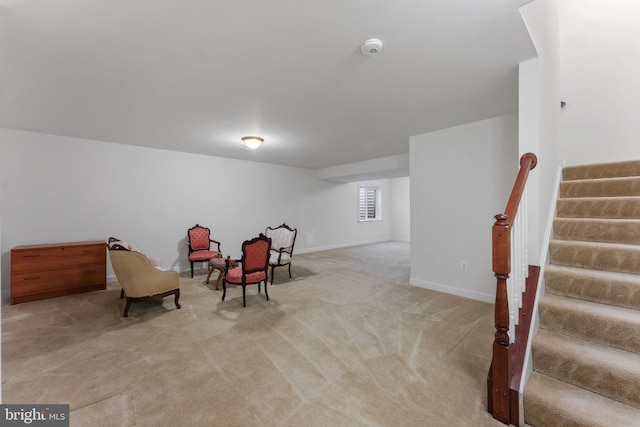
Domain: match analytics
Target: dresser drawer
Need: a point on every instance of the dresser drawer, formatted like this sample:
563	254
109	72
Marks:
48	281
54	258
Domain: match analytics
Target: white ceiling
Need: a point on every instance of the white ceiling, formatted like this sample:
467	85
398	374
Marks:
196	75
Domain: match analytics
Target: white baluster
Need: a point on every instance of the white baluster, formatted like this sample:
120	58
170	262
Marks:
511	291
525	222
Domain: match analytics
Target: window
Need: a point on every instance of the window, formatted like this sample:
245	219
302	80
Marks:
369	202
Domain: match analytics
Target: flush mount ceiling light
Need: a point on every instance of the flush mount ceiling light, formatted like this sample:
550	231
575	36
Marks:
252	142
371	47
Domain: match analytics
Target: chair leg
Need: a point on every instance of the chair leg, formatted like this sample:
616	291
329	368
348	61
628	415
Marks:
224	289
244	299
289	270
192	269
177	294
121	293
272	268
210	271
265	290
126	307
260	283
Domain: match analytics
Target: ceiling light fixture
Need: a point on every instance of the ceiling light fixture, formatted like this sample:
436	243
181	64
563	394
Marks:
252	142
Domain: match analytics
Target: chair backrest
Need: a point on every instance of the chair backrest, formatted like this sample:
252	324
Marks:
199	238
127	265
113	243
282	236
255	254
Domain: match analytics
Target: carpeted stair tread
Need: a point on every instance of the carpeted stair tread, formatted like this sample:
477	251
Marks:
552	403
599	207
607	230
602	170
600	323
597	256
605	187
604	370
606	287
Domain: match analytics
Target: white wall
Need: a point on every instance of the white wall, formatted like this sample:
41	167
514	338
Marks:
61	189
539	104
460	178
400	202
529	142
599	72
539	116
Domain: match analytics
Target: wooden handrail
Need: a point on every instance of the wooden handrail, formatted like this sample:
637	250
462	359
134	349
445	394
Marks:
499	396
528	162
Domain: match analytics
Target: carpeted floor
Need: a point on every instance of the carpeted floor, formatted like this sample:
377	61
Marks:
346	342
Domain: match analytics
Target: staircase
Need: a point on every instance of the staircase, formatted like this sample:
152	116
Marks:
586	355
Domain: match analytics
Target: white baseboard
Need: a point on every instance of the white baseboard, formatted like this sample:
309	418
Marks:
339	246
296	250
401	240
5	297
478	296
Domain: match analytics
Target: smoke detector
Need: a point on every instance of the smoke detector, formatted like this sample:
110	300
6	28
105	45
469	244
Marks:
371	47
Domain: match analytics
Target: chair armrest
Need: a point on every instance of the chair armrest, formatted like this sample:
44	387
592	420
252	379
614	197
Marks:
230	263
217	243
287	249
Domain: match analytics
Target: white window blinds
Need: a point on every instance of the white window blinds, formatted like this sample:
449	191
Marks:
369	203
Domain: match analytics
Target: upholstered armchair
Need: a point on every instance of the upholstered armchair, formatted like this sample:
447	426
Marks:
199	242
254	267
282	238
139	278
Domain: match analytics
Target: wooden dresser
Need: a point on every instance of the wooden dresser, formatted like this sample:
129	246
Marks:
54	270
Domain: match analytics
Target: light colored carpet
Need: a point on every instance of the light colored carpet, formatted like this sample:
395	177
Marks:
346	342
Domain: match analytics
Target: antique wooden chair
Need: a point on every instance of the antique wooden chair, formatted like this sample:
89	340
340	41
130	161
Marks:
254	268
199	242
283	238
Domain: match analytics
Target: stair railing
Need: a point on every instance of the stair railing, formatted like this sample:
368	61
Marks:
509	239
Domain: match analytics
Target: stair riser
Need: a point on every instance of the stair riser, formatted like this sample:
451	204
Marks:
601	188
585	287
538	413
603	207
622	334
597	230
623	260
599	376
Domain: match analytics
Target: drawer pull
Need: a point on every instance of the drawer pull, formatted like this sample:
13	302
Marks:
31	256
31	278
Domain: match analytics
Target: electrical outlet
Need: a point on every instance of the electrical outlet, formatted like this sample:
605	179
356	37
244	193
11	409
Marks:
464	265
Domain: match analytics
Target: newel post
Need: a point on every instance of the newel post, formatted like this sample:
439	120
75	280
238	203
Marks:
501	369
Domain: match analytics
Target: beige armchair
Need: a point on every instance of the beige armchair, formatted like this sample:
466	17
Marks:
139	278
